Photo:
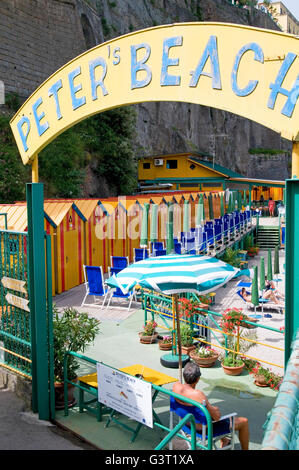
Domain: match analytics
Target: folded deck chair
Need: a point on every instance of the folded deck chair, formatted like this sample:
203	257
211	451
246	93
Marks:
94	284
225	427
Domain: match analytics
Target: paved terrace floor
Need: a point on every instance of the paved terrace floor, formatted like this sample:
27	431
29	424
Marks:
118	345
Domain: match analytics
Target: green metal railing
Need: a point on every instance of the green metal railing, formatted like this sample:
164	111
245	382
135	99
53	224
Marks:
157	304
170	433
15	322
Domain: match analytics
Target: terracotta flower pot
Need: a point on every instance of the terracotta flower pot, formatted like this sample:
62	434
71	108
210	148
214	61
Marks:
165	346
145	339
187	349
247	325
260	380
59	395
204	361
233	370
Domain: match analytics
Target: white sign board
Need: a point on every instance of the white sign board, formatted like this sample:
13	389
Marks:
14	284
17	301
126	394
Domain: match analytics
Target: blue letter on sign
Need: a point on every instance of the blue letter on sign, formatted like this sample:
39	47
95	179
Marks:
23	136
99	62
276	87
140	65
53	91
258	56
166	79
41	128
210	51
76	102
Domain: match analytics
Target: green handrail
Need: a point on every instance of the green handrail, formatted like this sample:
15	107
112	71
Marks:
174	431
188	418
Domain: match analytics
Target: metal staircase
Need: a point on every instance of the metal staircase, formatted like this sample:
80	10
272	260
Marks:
268	236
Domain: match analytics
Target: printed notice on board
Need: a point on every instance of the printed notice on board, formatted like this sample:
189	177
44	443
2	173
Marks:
126	394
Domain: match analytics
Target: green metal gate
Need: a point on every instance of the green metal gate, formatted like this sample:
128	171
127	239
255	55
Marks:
15	324
26	336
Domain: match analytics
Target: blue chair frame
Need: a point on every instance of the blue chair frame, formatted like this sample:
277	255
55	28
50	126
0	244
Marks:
225	427
94	284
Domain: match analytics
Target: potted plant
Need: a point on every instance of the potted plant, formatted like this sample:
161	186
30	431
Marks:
187	343
264	377
165	344
204	356
149	334
232	364
235	340
72	331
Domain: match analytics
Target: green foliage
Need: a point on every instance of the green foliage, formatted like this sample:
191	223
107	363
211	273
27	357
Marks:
109	139
12	101
186	335
72	331
231	257
13	174
261	151
105	140
61	165
231	361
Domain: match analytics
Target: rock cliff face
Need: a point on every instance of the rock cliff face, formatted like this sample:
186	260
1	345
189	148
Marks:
39	36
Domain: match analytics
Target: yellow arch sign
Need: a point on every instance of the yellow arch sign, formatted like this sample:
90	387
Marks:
248	71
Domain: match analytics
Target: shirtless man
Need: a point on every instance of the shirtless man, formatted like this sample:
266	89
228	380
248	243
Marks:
192	375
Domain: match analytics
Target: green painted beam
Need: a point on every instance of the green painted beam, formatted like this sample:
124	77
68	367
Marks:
38	308
291	264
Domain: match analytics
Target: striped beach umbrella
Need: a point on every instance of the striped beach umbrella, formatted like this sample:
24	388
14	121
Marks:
199	215
269	270
174	274
154	223
222	210
254	289
230	204
144	226
276	260
262	275
169	231
186	221
211	209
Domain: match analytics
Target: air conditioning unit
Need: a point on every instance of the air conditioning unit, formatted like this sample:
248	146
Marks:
158	162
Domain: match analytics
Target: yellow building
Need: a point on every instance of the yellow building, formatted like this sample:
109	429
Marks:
183	171
285	19
195	172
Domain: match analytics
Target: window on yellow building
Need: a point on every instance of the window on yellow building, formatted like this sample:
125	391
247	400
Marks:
146	166
171	164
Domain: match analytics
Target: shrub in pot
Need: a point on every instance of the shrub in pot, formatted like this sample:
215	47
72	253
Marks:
72	331
149	334
187	343
236	340
165	344
204	356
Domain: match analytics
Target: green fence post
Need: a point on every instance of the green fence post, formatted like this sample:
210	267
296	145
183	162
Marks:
50	325
38	308
291	264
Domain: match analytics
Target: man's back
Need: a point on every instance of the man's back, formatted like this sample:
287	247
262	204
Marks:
188	392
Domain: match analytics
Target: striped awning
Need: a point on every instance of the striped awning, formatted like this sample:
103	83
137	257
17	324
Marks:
173	274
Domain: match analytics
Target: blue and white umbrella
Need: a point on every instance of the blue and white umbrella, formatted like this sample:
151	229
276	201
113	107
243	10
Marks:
173	274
